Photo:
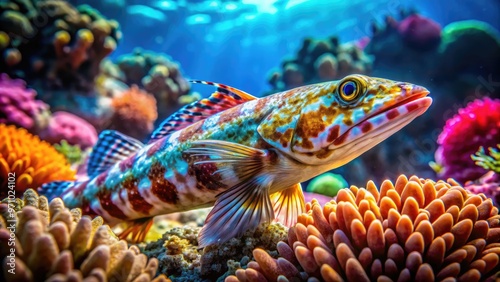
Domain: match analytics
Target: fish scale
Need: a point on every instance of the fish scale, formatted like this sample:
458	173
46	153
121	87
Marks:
244	155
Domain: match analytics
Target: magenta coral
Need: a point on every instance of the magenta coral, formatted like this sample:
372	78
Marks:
18	105
412	230
67	126
474	126
420	32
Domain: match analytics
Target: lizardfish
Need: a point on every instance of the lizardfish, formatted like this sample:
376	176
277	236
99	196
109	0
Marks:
244	155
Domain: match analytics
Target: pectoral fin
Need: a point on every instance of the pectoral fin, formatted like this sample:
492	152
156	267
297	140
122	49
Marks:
288	204
246	204
237	210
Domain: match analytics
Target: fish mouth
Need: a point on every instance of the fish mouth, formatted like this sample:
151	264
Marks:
414	105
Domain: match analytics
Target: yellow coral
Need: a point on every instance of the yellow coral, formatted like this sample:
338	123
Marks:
29	161
53	243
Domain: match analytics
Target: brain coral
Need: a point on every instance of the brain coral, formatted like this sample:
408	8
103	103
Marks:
28	160
57	244
134	113
69	127
413	230
18	105
479	124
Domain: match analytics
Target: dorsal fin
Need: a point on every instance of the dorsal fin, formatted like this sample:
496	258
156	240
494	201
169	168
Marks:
225	97
111	147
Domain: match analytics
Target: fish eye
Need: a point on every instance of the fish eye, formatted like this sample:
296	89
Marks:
350	89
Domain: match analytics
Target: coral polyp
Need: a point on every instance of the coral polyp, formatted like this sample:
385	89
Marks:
58	244
412	230
29	161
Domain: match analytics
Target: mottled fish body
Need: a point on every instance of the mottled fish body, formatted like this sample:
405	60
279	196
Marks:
242	154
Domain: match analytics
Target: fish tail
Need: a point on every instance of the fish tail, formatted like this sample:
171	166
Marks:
55	189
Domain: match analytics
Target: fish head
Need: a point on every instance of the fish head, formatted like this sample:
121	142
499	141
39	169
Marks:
334	122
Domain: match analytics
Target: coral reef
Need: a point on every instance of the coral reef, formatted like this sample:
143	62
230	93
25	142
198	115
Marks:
28	160
327	184
54	45
134	113
19	107
57	244
320	60
179	256
479	124
72	129
157	74
412	229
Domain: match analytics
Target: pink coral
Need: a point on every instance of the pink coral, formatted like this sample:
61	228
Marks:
476	125
489	184
66	126
18	105
420	32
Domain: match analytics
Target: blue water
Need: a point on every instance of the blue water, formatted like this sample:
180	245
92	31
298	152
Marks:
239	42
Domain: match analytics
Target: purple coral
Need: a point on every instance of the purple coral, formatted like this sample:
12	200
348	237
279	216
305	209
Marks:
18	105
474	126
489	184
66	126
420	32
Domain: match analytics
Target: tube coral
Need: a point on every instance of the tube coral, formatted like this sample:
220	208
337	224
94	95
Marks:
30	161
413	230
57	244
479	124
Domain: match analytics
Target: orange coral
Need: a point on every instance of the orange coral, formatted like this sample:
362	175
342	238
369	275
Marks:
134	113
29	161
413	230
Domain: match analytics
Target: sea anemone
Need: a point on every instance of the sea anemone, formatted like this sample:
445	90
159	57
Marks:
58	244
134	113
414	229
479	125
26	161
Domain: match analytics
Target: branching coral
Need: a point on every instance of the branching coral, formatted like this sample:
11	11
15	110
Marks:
67	126
134	113
54	45
29	161
413	230
57	244
18	105
488	162
479	124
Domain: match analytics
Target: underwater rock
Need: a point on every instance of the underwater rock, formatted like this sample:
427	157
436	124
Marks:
320	60
72	129
479	124
19	107
179	257
157	74
469	46
59	46
54	243
26	161
134	113
414	228
327	184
